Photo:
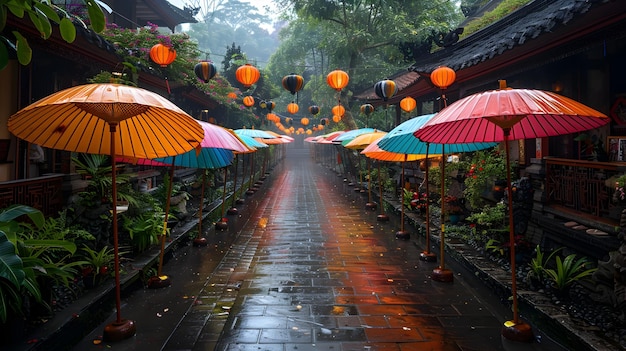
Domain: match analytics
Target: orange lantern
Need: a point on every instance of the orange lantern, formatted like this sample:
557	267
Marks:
408	104
232	95
293	108
248	101
443	77
336	119
320	127
247	75
337	79
304	121
338	110
162	55
309	132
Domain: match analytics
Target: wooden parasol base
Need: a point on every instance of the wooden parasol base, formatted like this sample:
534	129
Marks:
371	205
442	275
158	282
404	235
118	331
428	256
200	242
382	218
520	332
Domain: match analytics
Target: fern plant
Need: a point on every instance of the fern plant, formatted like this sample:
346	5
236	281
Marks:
568	271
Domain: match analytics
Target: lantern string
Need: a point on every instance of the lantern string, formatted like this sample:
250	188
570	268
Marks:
167	84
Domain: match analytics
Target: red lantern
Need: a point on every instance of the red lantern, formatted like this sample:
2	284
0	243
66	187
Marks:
338	110
162	55
293	108
293	83
385	89
443	77
247	75
408	104
337	79
248	101
304	121
205	70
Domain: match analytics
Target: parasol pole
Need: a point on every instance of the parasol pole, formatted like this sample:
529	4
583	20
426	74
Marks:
370	204
161	280
222	223
382	216
200	240
120	329
441	273
401	234
511	227
426	255
233	210
116	252
515	329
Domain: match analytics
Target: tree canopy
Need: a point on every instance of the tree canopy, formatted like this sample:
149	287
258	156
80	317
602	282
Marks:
370	40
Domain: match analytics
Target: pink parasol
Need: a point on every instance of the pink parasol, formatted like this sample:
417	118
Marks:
510	114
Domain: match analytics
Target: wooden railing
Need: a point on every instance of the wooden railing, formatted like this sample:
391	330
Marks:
583	185
43	193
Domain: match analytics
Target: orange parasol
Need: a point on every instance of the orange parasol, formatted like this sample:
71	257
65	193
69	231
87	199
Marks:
115	120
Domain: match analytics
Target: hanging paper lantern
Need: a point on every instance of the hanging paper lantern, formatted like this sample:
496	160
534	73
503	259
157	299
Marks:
205	70
443	77
337	79
323	121
385	89
304	121
338	110
247	75
336	119
408	104
309	132
293	83
162	55
320	127
248	101
270	105
314	110
293	108
232	95
367	109
288	120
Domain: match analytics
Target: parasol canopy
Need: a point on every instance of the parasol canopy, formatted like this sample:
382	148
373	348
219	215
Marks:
351	134
375	152
255	133
363	140
483	117
78	119
401	140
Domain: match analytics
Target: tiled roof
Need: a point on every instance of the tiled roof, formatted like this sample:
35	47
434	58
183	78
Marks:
521	26
538	18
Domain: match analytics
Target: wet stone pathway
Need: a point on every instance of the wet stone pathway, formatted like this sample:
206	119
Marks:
313	270
305	266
